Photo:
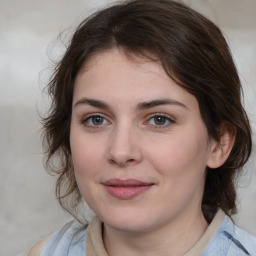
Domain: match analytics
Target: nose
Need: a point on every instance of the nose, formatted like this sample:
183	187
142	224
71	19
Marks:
124	148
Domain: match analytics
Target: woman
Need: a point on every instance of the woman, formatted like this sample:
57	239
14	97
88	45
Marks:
147	122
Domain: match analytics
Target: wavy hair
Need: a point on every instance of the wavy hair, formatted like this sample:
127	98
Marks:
193	52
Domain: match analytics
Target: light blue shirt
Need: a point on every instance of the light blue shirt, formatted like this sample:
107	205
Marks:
229	240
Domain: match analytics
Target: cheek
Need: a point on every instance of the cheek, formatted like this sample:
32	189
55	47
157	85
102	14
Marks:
85	154
85	158
181	164
181	154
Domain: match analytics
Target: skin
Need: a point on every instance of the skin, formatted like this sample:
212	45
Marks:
127	141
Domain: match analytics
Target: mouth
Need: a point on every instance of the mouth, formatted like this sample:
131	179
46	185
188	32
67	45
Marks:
126	189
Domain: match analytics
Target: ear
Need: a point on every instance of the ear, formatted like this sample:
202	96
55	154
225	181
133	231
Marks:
220	150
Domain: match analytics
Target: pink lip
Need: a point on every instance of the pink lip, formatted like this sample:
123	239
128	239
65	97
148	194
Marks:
126	189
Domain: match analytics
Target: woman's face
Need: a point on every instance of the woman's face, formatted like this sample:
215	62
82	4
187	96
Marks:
139	145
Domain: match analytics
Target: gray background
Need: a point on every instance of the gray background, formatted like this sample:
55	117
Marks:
28	31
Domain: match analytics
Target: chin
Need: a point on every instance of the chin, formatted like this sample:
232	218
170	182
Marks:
132	227
128	221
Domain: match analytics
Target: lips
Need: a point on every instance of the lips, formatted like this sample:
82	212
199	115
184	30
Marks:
126	189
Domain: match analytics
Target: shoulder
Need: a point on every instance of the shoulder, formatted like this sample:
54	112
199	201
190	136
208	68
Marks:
230	240
36	248
248	241
69	240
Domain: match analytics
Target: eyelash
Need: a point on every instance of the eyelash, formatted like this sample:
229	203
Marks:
166	118
85	120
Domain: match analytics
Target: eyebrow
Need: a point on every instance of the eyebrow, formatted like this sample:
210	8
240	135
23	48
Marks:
140	106
92	102
158	102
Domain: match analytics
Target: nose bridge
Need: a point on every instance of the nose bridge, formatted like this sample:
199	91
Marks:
123	145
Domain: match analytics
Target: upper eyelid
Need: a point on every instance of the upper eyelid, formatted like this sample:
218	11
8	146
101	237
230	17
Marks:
88	116
94	114
163	115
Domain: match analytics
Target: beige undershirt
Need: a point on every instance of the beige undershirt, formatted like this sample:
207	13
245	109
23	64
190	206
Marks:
95	245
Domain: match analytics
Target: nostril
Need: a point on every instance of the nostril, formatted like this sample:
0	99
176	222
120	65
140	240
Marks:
121	162
111	161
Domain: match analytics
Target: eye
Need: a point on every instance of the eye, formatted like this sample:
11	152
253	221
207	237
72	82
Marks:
160	121
95	120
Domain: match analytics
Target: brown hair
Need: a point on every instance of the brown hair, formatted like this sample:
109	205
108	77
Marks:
193	53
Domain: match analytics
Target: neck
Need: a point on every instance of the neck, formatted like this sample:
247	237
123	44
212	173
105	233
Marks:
176	238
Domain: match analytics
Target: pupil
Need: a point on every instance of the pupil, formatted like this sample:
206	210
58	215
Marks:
159	120
97	120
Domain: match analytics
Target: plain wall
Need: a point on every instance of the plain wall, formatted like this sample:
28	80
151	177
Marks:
28	31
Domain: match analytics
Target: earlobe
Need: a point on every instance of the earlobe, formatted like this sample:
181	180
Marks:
220	150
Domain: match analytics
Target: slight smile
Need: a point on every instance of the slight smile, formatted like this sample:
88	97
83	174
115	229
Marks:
126	189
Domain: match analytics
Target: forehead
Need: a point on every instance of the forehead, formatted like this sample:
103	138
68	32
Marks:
117	55
118	75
